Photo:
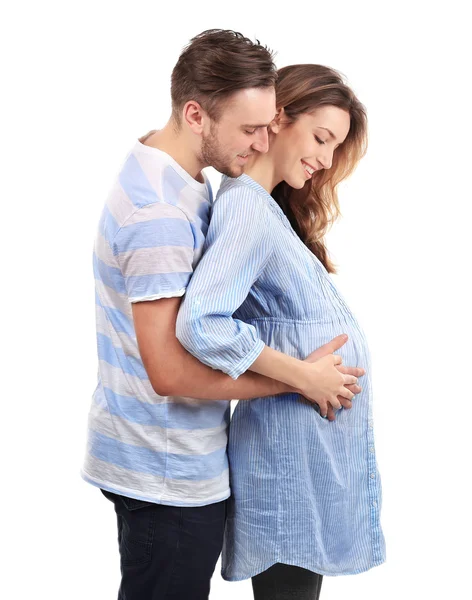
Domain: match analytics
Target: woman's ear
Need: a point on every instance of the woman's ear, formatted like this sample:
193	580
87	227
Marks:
274	126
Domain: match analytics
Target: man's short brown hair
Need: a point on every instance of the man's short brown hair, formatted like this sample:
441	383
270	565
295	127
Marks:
215	64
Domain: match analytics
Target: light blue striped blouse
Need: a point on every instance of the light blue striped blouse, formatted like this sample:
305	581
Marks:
305	491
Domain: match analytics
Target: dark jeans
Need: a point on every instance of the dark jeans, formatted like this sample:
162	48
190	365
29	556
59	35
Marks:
284	582
167	552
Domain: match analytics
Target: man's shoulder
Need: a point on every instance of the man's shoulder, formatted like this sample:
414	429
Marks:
149	181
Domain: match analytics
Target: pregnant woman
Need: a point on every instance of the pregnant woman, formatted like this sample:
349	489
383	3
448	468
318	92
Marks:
306	491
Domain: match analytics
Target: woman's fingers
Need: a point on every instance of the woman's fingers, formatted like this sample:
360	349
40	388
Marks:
354	388
329	348
345	393
356	371
349	379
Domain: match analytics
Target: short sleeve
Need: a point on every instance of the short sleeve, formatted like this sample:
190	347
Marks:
155	250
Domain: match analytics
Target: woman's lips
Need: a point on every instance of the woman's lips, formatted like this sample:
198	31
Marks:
309	170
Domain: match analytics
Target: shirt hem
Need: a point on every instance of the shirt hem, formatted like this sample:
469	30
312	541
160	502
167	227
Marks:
167	501
312	568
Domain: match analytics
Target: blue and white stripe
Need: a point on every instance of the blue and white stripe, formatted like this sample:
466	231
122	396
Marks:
166	450
305	491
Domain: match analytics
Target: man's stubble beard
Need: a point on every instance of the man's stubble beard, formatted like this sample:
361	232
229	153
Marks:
213	154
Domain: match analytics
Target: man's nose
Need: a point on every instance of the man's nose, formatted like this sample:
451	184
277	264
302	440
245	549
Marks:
261	144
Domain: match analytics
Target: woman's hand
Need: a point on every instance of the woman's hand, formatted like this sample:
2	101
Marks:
320	378
323	383
329	348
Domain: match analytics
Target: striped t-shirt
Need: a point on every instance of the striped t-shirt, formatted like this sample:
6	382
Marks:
166	450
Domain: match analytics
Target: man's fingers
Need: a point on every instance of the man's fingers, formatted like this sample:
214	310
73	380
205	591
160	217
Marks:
345	402
356	371
335	403
331	413
329	348
350	380
337	361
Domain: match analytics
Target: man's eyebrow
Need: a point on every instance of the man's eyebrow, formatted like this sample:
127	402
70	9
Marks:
260	126
256	126
329	131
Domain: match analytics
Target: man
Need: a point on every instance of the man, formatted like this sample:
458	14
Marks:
157	453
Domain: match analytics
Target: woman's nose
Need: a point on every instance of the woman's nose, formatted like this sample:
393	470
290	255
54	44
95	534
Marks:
324	156
325	160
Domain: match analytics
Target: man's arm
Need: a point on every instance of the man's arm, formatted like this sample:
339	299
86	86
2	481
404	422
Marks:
173	371
155	251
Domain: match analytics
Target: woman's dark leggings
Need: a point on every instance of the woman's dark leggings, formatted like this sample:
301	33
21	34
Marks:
285	582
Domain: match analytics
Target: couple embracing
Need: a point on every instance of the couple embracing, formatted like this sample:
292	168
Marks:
200	301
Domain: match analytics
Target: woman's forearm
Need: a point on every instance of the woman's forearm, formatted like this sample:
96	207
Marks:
319	381
276	365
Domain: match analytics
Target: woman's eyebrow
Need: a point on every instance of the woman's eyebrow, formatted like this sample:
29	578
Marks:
329	131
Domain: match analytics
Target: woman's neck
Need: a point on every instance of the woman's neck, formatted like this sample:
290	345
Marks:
262	169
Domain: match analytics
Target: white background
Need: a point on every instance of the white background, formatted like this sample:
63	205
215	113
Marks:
82	80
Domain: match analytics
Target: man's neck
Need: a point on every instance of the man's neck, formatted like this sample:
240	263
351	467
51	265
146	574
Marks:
178	147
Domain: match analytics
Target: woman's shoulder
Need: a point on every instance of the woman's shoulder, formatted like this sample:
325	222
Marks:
235	191
244	191
240	185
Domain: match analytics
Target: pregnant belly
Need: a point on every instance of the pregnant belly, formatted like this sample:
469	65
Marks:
300	338
290	429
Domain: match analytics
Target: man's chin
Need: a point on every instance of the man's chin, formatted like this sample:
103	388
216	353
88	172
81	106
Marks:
233	171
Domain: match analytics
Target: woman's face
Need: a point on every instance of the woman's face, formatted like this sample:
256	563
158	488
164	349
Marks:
308	144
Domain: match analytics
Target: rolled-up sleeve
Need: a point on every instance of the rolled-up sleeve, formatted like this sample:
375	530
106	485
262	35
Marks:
237	248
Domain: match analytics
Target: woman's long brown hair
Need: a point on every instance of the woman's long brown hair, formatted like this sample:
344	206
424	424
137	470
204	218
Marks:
314	208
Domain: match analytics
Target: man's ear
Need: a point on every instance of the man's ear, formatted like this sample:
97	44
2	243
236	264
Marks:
279	118
194	116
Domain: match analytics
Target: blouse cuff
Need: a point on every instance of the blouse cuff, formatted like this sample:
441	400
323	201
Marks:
243	365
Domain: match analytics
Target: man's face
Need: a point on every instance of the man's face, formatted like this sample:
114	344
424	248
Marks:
240	131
